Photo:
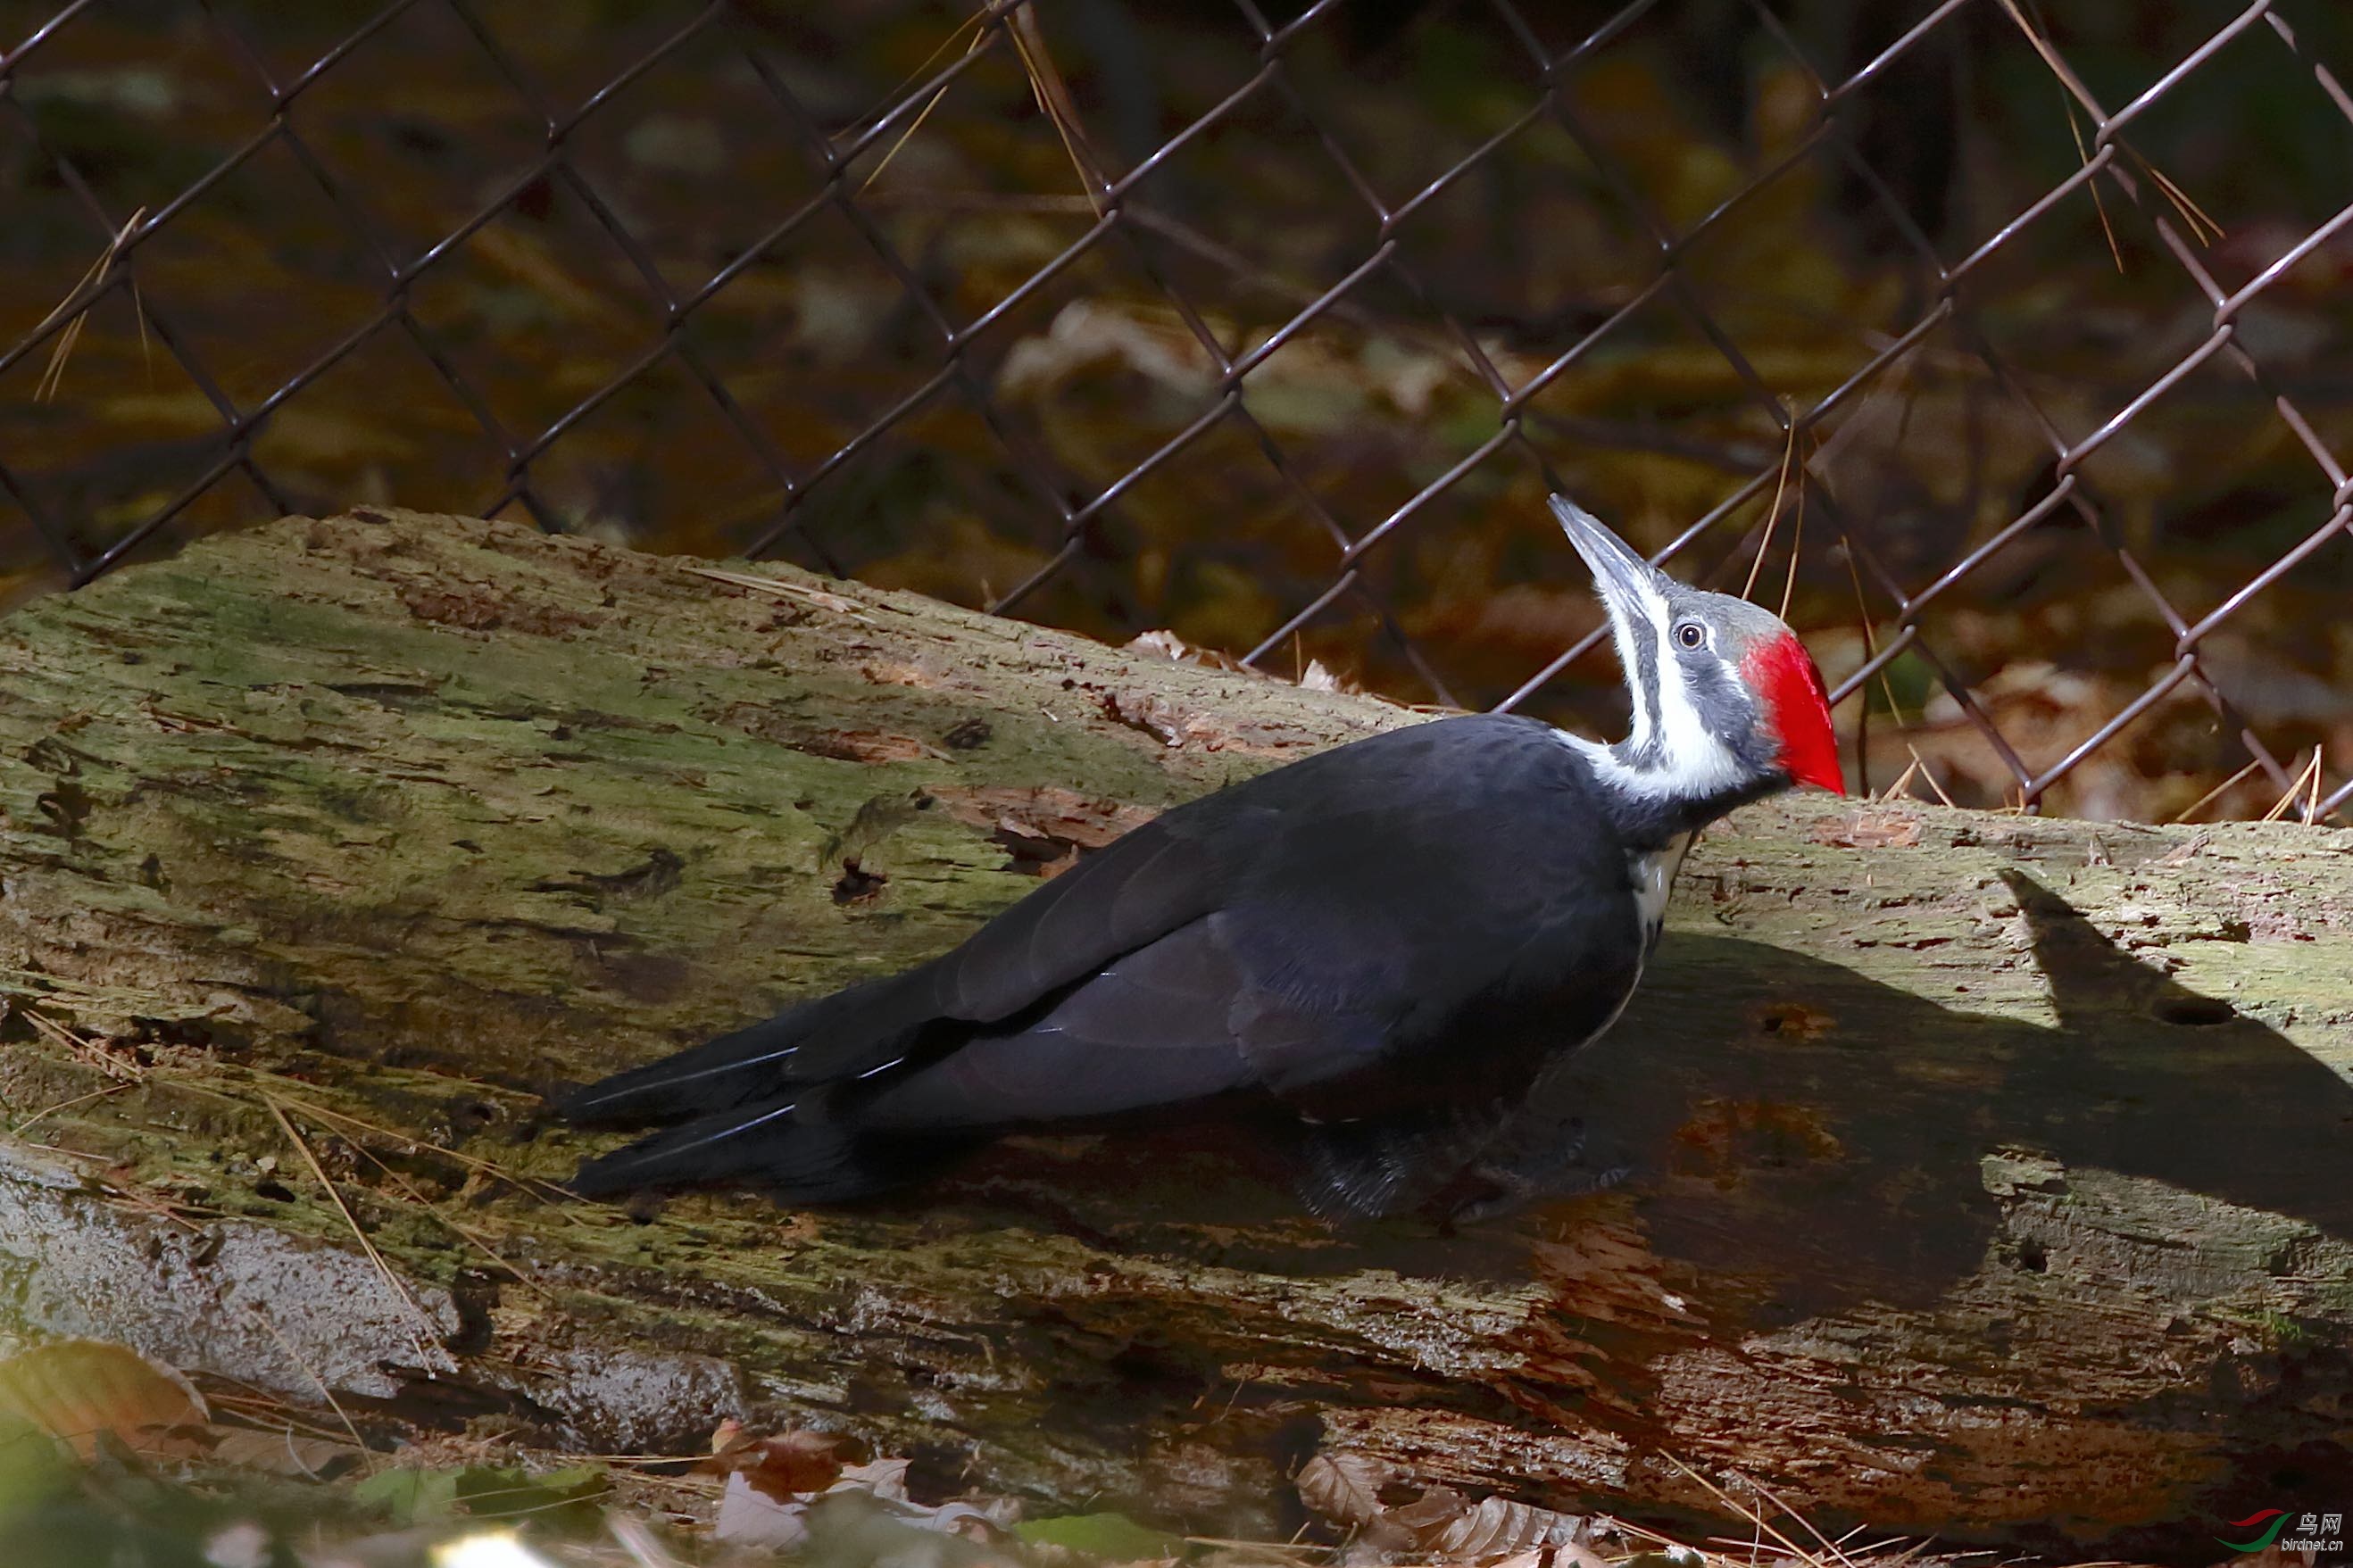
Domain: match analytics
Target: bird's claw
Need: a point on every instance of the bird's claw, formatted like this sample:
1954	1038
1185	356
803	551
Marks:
1532	1172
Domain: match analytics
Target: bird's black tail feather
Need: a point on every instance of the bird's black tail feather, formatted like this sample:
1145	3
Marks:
833	1037
789	1147
715	1076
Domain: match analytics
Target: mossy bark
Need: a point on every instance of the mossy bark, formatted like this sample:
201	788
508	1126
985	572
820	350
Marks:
1992	1176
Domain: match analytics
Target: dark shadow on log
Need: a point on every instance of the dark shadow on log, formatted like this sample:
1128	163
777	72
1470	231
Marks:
2224	1105
1703	1082
1698	1089
1807	1149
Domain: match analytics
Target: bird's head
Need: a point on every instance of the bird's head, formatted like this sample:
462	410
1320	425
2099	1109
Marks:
1727	701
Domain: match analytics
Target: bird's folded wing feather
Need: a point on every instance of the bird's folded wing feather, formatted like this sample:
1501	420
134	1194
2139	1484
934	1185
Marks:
1150	882
1285	934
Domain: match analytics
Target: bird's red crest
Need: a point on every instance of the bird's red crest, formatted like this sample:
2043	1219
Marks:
1781	671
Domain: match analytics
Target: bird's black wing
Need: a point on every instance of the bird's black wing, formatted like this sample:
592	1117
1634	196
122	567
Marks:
1405	921
1433	917
1124	896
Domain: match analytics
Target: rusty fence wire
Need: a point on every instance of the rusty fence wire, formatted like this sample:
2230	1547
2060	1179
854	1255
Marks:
2003	345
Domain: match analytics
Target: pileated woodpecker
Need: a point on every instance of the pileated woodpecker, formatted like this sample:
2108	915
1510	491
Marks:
1382	945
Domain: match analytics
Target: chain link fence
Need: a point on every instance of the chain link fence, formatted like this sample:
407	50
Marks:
2002	347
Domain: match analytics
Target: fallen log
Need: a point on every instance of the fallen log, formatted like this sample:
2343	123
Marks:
1989	1175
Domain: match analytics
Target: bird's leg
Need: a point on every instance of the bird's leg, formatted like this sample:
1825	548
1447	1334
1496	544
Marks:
1387	1165
1535	1160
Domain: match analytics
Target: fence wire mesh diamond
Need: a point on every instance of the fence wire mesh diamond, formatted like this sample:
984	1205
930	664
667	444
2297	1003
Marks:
2000	345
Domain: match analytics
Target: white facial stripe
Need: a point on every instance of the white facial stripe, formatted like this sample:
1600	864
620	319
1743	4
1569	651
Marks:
1693	762
1627	622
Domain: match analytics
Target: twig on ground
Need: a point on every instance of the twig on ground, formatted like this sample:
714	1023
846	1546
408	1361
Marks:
392	1281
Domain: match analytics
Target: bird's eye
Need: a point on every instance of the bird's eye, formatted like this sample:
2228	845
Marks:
1691	634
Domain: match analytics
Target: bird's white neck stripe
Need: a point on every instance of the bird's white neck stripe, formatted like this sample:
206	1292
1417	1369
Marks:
1655	878
1668	752
1642	781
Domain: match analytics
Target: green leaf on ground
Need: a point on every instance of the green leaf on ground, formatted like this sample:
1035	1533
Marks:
410	1496
1113	1537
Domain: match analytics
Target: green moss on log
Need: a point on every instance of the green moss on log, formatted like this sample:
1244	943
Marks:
1991	1174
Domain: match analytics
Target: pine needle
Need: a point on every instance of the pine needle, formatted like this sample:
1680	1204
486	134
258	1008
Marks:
89	1052
1796	541
979	42
2072	92
2310	772
1870	651
1054	101
2202	227
266	1411
1755	1516
1863	714
464	1232
366	1458
2208	797
2083	155
943	47
405	1140
1835	1548
2051	61
392	1281
1928	772
1773	516
53	373
1896	789
48	1111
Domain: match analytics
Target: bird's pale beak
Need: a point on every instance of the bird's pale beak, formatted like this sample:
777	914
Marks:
1628	584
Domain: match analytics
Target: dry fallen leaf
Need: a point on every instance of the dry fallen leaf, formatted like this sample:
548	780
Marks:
78	1389
864	746
791	1464
885	1479
1150	713
1499	1527
1347	1490
772	1483
1344	1488
282	1453
1044	826
749	1518
1318	677
1086	334
1167	644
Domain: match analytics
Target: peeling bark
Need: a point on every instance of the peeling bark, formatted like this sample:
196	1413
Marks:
1990	1175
